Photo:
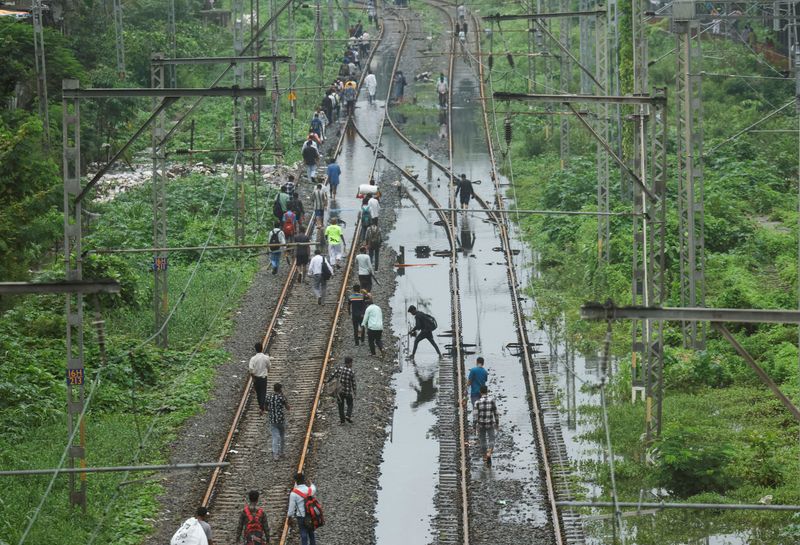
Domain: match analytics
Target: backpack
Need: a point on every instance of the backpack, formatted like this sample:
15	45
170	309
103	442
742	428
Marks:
190	533
327	273
277	208
366	217
373	237
314	517
288	224
428	321
253	530
275	240
310	154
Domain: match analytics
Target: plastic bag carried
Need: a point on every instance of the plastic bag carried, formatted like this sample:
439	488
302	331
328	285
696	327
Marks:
190	533
368	190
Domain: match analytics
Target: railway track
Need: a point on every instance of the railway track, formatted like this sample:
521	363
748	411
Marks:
301	369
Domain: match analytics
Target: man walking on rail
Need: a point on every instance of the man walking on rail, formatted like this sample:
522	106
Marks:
276	240
310	155
476	380
425	324
373	239
277	406
371	83
486	424
336	244
301	255
464	191
334	172
374	207
296	206
253	522
319	199
356	306
320	271
259	369
302	499
364	269
345	390
373	321
441	88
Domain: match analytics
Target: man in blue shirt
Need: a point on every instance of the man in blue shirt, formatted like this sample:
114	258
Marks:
477	377
333	176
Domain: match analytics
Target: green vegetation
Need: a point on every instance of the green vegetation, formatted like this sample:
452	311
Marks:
144	392
725	437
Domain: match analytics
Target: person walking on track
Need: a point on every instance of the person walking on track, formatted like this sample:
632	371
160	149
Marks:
277	406
441	88
364	269
334	172
253	522
374	207
346	388
193	530
319	199
476	379
486	424
425	324
356	306
464	191
373	321
320	271
373	238
296	206
301	496
259	369
276	240
371	83
301	255
336	244
310	155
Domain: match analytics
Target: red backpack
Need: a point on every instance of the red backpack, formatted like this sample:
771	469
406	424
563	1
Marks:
288	223
314	517
254	530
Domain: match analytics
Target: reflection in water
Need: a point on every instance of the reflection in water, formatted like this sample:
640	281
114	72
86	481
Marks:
467	236
443	125
426	390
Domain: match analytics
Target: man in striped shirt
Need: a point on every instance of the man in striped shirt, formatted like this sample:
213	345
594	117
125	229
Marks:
347	388
486	424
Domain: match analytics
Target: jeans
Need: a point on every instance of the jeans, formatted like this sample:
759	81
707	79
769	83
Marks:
373	255
365	280
311	170
278	434
306	535
486	437
275	259
260	386
374	337
340	401
357	333
425	334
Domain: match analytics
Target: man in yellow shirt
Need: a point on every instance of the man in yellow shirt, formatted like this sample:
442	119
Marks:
336	245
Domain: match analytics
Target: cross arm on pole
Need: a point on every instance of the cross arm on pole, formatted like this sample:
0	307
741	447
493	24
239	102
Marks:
173	93
69	286
581	99
221	60
538	16
599	311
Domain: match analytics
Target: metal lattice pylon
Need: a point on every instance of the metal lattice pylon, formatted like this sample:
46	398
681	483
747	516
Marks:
73	234
601	73
172	40
119	38
41	69
238	124
160	258
565	29
276	110
690	181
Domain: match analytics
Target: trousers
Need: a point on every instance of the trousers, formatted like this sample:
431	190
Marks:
260	386
341	399
278	435
357	333
374	337
425	334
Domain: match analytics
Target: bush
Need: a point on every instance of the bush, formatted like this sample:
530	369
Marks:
692	460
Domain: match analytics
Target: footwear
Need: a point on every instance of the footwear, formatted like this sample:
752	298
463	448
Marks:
488	461
319	300
349	419
274	270
341	422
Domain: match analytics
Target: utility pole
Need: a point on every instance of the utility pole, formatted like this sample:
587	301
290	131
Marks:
41	70
346	13
73	262
119	38
601	160
160	258
332	22
318	45
585	47
173	42
238	124
565	30
276	103
690	169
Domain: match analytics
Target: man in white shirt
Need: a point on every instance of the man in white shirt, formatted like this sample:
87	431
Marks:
365	270
372	86
374	208
297	508
318	280
373	321
259	369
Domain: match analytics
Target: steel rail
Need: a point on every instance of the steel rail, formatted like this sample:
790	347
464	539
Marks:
519	315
